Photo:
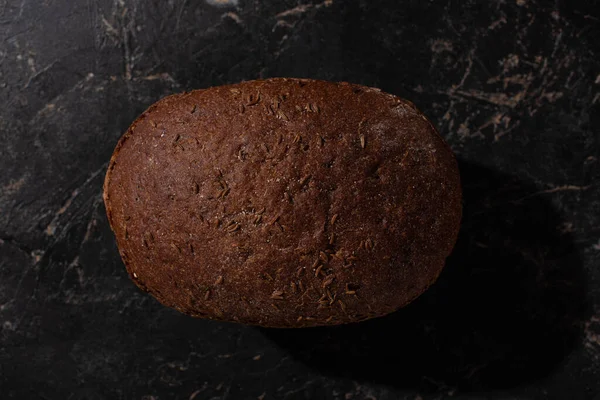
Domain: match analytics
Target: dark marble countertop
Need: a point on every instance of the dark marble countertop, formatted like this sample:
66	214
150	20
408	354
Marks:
514	87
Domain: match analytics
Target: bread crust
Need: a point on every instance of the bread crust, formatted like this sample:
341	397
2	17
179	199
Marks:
283	202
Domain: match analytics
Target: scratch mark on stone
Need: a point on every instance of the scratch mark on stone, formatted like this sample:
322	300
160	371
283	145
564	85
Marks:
500	134
38	73
467	71
127	60
91	223
73	264
441	45
110	29
198	391
52	226
499	99
13	186
223	3
556	44
498	22
303	8
281	22
233	16
22	7
566	188
179	14
523	80
165	76
51	105
556	189
294	392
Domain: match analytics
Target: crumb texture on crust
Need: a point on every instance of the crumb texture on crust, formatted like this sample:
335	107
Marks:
283	202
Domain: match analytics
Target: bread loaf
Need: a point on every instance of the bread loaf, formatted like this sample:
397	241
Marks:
283	202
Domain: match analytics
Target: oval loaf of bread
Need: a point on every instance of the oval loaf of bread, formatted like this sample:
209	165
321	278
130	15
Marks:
283	202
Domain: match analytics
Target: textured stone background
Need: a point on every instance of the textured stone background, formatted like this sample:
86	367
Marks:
514	86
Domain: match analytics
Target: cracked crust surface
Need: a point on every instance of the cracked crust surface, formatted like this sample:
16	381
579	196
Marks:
283	202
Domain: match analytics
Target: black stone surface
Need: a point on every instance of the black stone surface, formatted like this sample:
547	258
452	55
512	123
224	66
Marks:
514	87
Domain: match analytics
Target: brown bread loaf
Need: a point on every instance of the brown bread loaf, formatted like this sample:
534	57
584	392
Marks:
283	202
